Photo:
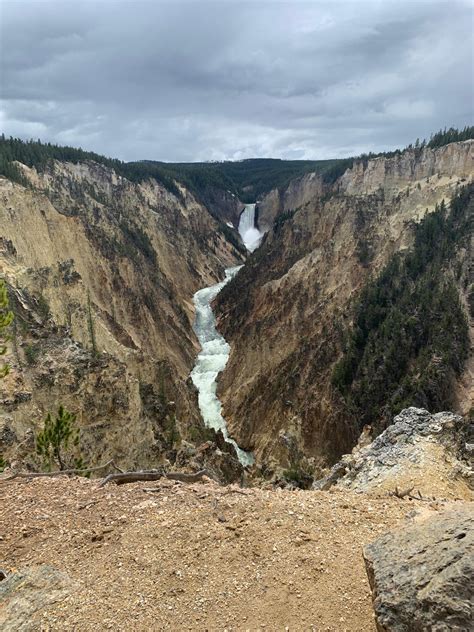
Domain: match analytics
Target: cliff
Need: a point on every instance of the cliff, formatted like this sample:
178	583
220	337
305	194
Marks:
289	312
101	274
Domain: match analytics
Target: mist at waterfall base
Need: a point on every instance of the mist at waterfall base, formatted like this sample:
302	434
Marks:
249	233
211	361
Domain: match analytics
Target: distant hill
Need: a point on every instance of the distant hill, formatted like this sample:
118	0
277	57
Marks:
248	179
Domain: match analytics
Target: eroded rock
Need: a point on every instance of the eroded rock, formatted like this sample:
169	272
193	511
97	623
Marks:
26	593
420	450
422	577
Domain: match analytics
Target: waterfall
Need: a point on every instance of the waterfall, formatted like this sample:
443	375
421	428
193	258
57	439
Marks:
250	234
211	361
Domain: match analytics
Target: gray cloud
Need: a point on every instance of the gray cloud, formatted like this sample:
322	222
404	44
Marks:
199	80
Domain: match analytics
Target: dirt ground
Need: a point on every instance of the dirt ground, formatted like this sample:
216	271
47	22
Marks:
196	557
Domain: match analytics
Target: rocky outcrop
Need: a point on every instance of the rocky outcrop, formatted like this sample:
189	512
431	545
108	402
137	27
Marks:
414	164
101	274
422	576
297	193
26	594
365	177
286	311
419	451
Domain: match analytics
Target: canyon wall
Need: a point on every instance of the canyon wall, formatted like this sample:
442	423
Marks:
287	311
368	176
101	273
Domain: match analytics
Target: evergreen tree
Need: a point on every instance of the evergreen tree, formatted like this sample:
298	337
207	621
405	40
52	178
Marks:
6	318
54	441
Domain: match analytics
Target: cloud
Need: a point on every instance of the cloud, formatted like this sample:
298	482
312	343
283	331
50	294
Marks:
198	80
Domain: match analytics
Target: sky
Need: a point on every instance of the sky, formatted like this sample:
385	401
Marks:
192	80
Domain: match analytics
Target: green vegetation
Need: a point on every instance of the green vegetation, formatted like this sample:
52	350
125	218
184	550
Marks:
43	308
410	335
200	434
40	155
443	137
6	319
281	219
247	179
300	475
54	441
136	239
32	353
451	135
172	434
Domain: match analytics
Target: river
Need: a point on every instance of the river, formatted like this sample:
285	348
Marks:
214	349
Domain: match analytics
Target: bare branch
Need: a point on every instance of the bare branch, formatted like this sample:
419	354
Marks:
59	472
152	475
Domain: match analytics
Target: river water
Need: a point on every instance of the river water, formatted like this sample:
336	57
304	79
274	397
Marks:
211	361
214	349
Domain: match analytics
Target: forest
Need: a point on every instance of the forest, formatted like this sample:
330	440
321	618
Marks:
410	334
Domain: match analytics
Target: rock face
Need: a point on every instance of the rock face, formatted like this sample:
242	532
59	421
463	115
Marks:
422	576
367	177
299	192
286	311
419	451
392	173
101	274
25	594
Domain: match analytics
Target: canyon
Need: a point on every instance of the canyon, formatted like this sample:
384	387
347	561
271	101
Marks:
102	271
287	312
190	331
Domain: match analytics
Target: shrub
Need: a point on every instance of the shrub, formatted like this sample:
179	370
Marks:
32	353
53	443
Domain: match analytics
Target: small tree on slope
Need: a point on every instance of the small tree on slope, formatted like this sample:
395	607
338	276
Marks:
56	438
6	318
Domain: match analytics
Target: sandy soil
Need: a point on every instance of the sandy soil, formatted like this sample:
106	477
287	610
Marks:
197	557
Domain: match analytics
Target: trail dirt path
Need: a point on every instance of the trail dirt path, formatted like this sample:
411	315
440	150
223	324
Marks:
196	557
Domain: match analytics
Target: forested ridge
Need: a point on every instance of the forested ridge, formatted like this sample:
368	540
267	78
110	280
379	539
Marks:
248	179
409	339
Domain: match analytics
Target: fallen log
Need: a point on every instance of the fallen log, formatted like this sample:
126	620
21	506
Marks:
152	475
59	472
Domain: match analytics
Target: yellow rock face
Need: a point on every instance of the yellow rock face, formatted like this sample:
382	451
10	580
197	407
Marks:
102	272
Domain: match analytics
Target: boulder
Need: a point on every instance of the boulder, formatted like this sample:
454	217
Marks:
422	577
25	593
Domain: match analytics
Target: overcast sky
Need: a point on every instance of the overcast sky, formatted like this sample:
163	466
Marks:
198	80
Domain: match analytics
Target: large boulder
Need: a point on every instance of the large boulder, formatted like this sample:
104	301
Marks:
26	593
422	577
424	451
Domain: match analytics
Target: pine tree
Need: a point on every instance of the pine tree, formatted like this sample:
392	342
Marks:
6	318
55	438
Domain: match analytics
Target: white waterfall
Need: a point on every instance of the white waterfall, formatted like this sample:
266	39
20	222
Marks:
251	236
211	361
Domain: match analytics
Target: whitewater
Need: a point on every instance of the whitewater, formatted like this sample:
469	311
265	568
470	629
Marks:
249	233
214	348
